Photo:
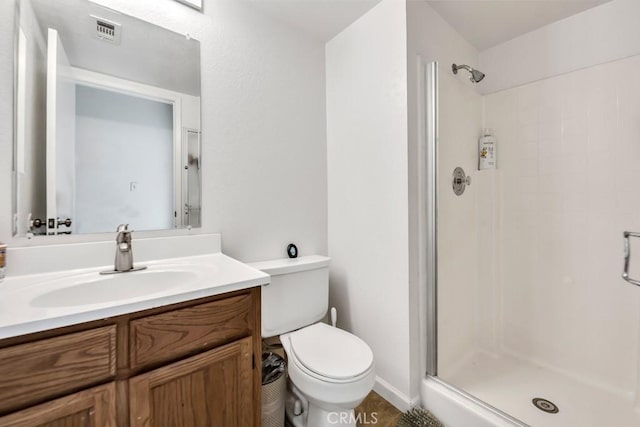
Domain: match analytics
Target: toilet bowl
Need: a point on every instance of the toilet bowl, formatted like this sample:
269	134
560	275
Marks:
330	370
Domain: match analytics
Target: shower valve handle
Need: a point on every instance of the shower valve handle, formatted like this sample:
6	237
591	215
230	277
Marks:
459	181
466	181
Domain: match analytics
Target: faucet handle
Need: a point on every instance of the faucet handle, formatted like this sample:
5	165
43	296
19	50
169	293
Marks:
122	227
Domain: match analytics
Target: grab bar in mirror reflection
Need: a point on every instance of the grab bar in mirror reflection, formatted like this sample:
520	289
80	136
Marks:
192	193
627	256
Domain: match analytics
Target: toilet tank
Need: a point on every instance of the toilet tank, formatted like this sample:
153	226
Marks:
298	294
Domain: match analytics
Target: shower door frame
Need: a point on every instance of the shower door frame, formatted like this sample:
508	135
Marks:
431	250
431	141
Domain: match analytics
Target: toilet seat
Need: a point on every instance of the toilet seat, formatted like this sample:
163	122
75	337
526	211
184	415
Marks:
330	354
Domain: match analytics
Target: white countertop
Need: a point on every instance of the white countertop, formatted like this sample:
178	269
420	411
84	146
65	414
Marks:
22	311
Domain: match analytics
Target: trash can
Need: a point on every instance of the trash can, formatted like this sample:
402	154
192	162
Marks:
274	389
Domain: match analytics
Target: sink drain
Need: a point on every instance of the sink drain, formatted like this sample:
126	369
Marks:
545	405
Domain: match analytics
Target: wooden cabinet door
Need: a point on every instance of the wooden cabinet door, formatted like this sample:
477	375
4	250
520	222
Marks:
95	407
212	389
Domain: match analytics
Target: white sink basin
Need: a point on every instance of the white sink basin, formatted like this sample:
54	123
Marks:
93	288
38	302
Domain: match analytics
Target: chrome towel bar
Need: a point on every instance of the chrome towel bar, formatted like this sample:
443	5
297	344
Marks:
627	255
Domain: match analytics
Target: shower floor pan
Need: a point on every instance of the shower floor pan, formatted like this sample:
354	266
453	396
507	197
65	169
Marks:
511	384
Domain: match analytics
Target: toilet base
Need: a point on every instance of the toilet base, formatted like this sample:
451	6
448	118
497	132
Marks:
313	415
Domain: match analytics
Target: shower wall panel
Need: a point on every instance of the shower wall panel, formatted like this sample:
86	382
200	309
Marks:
569	158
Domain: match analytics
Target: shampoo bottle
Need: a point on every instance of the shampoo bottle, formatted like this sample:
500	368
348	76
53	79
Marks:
487	150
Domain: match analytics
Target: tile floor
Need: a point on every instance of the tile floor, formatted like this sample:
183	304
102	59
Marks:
376	411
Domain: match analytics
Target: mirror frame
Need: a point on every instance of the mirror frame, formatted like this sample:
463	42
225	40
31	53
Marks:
14	128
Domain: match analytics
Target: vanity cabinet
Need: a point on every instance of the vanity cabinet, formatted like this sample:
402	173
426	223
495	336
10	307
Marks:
189	364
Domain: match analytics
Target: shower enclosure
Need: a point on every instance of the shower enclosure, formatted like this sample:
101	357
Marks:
529	320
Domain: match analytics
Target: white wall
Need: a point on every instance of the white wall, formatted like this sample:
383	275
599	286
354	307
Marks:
122	139
368	193
434	39
598	35
264	160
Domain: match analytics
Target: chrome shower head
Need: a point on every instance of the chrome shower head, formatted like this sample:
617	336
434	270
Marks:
475	75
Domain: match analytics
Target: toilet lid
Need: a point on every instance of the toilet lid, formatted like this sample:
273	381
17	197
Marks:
331	352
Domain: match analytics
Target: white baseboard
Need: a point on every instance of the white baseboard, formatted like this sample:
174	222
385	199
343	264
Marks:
395	396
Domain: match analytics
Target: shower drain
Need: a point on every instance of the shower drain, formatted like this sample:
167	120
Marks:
545	405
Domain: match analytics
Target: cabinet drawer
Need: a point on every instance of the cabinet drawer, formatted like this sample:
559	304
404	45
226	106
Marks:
42	369
167	336
95	407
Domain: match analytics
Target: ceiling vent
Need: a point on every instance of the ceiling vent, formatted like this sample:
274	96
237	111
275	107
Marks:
106	30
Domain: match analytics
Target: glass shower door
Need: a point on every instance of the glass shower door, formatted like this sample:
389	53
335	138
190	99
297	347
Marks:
533	317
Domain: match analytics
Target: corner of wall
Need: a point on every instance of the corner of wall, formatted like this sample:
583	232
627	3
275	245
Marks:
604	33
368	240
394	396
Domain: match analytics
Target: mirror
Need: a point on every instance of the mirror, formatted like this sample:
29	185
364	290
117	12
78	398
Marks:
107	122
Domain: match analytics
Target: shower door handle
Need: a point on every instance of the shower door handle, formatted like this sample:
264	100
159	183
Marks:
627	255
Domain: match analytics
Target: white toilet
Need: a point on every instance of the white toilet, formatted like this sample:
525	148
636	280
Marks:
330	370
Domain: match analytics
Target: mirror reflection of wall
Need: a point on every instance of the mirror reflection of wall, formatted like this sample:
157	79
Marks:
108	122
31	116
124	149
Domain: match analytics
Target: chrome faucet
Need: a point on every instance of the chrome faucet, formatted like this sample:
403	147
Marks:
124	252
